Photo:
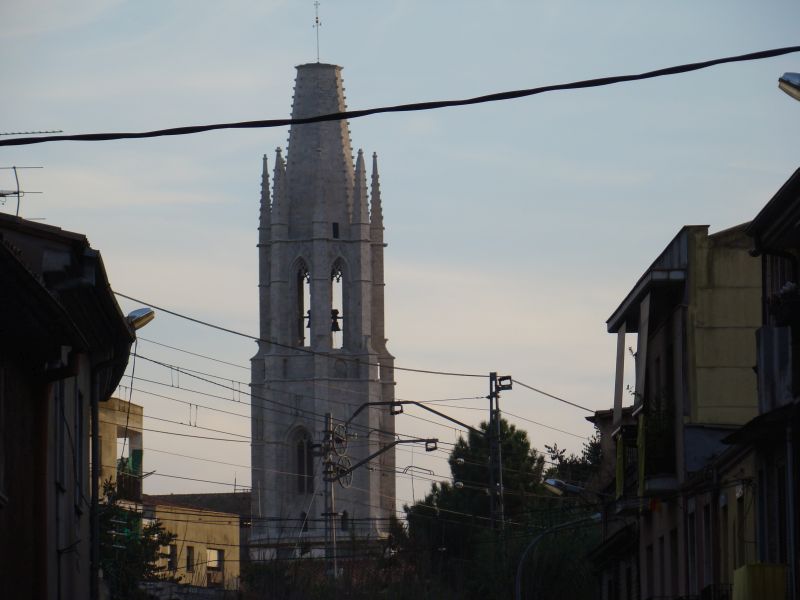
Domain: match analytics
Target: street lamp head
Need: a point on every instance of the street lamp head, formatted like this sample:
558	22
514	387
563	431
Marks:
140	317
559	487
790	83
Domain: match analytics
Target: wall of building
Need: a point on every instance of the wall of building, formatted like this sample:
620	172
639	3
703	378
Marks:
119	419
198	532
723	314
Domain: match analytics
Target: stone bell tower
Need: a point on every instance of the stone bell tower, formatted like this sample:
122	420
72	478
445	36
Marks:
321	290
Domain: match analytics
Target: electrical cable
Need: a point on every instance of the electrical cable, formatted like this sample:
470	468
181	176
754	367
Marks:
187	435
211	358
294	348
413	107
549	395
183	369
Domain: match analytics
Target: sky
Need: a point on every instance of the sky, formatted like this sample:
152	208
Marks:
514	228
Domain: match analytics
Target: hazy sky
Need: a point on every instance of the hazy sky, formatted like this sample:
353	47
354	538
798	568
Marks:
514	228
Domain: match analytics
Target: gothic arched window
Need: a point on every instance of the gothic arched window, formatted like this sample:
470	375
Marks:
304	464
345	524
337	304
303	299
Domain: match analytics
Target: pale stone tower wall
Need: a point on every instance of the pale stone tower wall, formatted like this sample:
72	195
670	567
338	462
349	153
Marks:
320	218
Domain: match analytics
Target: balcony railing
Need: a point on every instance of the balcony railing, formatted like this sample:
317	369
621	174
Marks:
659	442
777	368
129	487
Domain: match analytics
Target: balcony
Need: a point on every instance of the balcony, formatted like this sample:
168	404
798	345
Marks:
129	477
129	487
777	368
657	448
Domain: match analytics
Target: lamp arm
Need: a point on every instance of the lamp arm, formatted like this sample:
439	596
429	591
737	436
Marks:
381	451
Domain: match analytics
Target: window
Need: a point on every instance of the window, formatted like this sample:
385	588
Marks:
78	455
739	533
189	559
337	302
214	559
303	299
691	553
628	583
304	521
708	576
304	464
673	560
345	524
335	231
3	449
172	561
60	418
723	541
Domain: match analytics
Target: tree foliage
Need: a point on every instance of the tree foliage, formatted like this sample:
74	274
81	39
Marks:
129	547
450	539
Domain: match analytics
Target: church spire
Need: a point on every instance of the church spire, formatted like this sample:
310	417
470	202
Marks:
376	214
360	199
279	202
265	216
319	171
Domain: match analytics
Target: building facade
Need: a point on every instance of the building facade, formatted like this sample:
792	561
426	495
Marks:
773	434
205	552
683	496
64	346
323	346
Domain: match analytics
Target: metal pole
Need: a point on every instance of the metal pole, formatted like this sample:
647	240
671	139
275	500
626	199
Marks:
500	496
327	470
492	455
333	531
94	512
495	455
791	509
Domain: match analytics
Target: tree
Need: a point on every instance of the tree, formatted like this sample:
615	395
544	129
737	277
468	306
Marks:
129	548
449	531
450	539
576	468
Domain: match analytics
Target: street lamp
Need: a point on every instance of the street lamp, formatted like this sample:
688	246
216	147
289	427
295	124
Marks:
559	487
595	518
790	83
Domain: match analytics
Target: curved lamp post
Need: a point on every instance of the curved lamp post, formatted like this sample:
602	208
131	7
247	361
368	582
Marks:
595	518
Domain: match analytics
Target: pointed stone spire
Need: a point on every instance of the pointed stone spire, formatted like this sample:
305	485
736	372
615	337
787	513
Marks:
376	214
265	216
360	199
319	172
279	196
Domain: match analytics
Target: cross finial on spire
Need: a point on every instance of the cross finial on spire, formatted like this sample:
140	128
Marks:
317	24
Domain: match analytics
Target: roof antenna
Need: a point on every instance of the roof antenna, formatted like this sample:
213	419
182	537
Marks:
18	193
317	24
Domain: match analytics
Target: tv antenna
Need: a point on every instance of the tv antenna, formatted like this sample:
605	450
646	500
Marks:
18	193
31	132
317	24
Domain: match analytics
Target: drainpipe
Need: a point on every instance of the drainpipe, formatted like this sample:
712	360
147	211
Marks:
791	509
94	536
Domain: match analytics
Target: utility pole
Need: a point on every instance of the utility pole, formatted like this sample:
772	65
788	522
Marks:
496	385
330	513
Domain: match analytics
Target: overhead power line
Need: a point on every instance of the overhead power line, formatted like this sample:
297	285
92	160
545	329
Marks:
295	348
413	107
538	391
